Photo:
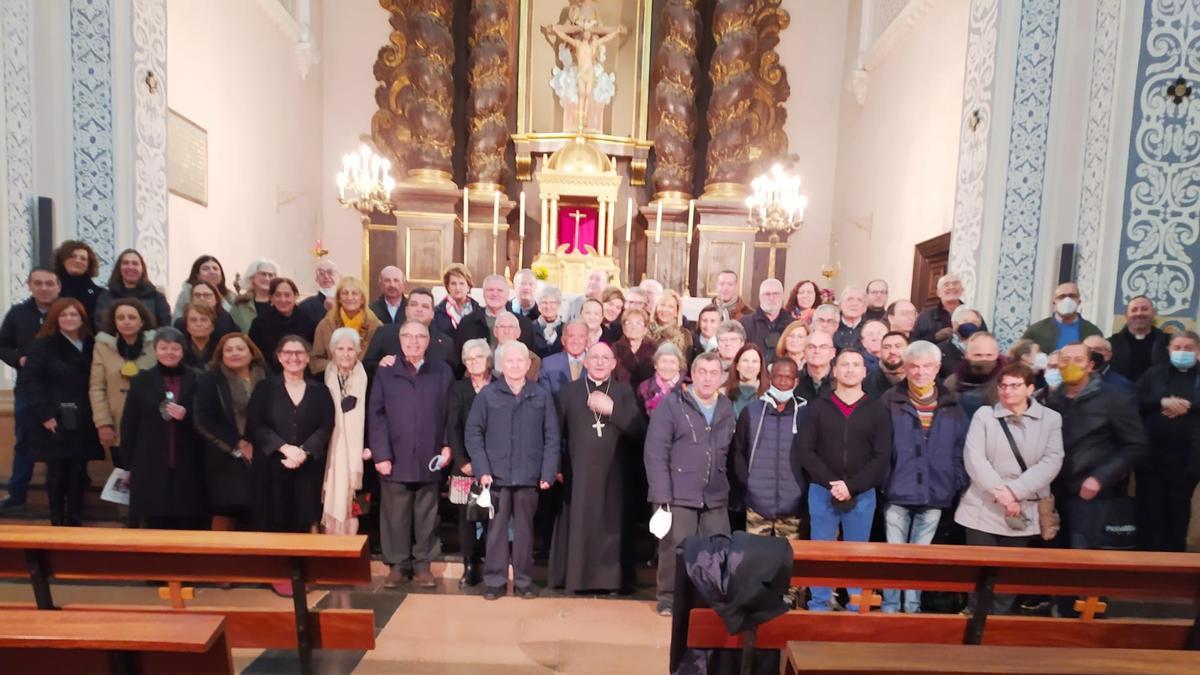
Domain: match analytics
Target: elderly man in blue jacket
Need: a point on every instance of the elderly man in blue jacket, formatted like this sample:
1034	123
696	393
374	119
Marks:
929	429
512	437
687	446
407	432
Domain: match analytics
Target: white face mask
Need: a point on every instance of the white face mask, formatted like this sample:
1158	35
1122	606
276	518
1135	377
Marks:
484	500
1040	360
1066	306
660	523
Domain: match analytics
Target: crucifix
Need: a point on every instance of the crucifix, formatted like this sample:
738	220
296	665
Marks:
599	427
578	216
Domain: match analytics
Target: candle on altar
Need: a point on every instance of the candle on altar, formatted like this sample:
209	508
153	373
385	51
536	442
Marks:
691	218
629	222
496	214
521	231
658	224
466	210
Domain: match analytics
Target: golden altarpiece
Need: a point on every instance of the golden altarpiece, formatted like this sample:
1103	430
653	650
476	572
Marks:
569	135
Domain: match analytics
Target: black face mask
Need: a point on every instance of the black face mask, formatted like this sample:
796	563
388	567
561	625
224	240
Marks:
981	367
349	403
1097	361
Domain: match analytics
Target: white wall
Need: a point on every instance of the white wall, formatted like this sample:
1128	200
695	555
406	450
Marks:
898	152
812	49
231	70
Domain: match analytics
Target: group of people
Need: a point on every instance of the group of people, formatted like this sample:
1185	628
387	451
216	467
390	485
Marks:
568	425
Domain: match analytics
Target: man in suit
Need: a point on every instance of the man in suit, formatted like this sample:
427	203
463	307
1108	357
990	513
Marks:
567	365
480	324
389	306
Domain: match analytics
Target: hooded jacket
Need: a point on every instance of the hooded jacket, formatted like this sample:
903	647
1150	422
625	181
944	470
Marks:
762	457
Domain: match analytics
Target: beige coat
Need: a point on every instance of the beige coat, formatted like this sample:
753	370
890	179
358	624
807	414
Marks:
990	463
321	349
107	387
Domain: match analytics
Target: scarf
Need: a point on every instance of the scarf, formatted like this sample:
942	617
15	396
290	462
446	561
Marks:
456	312
130	352
357	322
239	391
925	402
726	309
344	463
708	344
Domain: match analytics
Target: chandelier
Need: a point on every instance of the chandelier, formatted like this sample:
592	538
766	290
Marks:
776	207
366	178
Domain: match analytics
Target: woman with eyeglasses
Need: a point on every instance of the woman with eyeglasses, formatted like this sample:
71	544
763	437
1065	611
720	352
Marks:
477	356
635	350
207	294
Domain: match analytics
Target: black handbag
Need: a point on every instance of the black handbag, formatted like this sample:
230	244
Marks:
1118	526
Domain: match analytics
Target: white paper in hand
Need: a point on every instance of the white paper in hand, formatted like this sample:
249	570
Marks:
116	489
660	523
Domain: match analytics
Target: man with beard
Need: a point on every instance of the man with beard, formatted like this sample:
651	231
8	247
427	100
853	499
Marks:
596	412
1140	344
766	324
974	380
891	365
727	300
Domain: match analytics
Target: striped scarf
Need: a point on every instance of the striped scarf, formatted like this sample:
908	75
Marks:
925	403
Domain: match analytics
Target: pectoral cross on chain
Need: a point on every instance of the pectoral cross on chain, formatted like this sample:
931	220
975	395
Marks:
599	427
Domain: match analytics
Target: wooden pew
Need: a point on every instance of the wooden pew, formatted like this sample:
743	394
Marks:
45	554
982	570
830	658
116	643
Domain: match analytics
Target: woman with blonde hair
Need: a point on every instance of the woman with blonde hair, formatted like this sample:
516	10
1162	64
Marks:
457	303
793	340
668	324
349	311
346	380
257	296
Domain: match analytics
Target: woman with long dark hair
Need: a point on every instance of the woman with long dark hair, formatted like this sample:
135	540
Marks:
804	297
129	279
747	377
123	348
58	368
166	479
76	264
205	268
222	400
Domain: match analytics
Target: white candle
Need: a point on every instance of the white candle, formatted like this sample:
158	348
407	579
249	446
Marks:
629	222
691	218
496	214
466	210
522	216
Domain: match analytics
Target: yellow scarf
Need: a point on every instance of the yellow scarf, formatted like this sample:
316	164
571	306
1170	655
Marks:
356	323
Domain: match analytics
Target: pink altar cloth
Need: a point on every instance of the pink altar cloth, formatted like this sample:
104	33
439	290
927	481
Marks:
583	235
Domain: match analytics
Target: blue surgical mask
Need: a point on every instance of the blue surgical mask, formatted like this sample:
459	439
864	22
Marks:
1183	360
781	395
1053	378
966	330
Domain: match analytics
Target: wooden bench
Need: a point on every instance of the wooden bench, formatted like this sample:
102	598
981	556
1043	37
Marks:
830	658
982	570
116	643
45	554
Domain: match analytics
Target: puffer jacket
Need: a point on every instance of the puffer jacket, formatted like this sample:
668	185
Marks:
926	469
762	457
1103	437
514	438
686	457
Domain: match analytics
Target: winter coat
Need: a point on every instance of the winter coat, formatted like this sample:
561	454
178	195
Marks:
686	457
244	311
270	327
107	387
227	478
833	447
762	331
462	396
386	341
83	289
58	374
406	419
743	577
773	483
380	307
21	324
1171	440
1122	350
926	468
1045	332
475	326
322	351
150	297
514	438
1102	435
163	456
990	463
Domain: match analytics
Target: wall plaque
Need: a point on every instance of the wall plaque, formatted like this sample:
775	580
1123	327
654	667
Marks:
187	159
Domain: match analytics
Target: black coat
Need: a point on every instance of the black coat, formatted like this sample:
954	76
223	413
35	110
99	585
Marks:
21	324
163	456
381	311
929	322
227	478
1122	351
56	375
458	406
1171	439
386	342
269	327
83	289
474	325
406	419
314	308
288	499
856	450
441	318
1102	435
150	297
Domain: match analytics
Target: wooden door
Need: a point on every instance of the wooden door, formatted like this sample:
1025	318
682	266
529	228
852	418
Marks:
931	259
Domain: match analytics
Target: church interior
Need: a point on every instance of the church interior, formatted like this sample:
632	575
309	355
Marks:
1015	145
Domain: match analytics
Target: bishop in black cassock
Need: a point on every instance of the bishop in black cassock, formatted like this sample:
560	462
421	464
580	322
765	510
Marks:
595	412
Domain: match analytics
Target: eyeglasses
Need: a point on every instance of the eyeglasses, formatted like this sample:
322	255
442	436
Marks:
293	353
1010	386
416	336
635	322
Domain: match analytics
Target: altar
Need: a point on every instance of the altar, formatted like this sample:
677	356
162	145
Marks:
581	143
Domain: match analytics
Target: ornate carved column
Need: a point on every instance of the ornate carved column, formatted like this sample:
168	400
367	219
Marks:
487	108
429	108
769	105
734	81
676	70
389	128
